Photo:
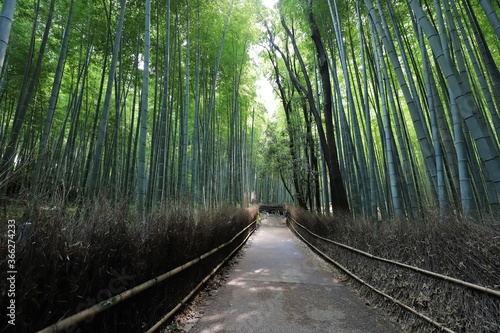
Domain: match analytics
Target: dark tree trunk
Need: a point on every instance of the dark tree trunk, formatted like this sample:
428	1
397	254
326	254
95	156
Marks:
339	194
288	109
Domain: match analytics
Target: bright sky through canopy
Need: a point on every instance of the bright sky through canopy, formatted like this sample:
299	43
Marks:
269	3
264	89
266	96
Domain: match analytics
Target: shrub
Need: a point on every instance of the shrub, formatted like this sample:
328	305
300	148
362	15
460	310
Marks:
69	260
456	248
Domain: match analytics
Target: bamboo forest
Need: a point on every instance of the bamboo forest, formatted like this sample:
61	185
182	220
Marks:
116	115
388	109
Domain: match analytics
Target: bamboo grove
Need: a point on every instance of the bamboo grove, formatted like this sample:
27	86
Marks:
386	108
405	101
148	103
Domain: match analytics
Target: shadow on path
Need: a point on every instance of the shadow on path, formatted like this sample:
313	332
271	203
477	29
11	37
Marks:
280	285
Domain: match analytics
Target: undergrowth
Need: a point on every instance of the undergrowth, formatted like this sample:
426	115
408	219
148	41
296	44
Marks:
465	250
70	260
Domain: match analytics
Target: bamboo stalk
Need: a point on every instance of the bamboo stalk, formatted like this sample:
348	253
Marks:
417	269
104	305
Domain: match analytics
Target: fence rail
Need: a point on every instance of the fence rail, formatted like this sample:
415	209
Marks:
185	299
106	304
483	289
360	280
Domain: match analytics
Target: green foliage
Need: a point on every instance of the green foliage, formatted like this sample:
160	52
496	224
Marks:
81	94
225	148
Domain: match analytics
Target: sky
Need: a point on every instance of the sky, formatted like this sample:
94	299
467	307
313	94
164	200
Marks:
266	96
264	89
265	92
269	3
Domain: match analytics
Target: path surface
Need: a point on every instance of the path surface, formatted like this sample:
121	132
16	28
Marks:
280	286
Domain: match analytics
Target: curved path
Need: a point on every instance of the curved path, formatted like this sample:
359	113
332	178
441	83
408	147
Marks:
279	285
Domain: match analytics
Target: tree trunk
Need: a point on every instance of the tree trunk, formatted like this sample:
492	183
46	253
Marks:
6	18
339	194
103	126
56	86
141	171
24	101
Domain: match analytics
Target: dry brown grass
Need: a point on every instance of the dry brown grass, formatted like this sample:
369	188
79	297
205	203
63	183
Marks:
69	261
461	249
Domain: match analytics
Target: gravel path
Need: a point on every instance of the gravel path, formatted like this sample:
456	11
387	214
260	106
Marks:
279	285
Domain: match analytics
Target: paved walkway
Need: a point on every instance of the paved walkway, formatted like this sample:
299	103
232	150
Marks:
280	286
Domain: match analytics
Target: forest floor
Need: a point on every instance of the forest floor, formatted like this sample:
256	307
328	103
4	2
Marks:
277	284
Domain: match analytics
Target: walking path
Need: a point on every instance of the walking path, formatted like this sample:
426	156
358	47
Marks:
280	286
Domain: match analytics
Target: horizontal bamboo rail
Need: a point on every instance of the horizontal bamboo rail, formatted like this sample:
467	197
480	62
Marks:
416	269
348	272
185	299
106	304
